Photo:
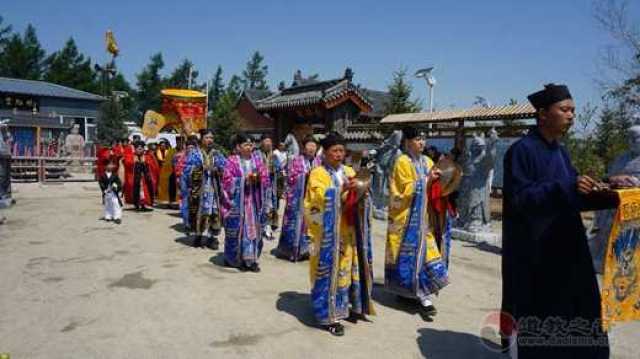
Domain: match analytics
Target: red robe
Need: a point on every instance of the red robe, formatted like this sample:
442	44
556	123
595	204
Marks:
154	169
103	155
128	160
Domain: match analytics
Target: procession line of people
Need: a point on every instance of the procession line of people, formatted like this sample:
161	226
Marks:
546	268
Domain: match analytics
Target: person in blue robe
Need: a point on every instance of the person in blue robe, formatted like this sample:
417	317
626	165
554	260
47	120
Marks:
550	296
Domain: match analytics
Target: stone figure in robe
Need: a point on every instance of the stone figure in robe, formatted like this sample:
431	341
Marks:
384	157
475	187
74	143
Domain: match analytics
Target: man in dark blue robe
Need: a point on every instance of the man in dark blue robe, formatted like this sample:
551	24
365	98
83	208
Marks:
549	285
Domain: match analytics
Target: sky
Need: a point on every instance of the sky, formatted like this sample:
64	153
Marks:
499	49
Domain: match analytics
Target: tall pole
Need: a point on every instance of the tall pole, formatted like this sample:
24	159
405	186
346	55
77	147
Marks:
431	91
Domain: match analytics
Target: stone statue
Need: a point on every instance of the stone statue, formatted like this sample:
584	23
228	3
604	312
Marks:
384	157
74	143
626	164
475	188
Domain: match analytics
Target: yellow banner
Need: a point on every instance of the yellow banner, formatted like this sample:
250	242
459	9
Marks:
621	284
153	123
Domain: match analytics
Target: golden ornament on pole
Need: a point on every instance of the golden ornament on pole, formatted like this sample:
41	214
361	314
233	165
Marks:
112	46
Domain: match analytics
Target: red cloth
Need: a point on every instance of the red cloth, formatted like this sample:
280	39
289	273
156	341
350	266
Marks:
437	201
102	158
127	161
154	169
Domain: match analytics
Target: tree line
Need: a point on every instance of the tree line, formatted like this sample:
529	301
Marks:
22	56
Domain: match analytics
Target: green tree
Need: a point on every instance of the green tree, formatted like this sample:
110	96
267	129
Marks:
581	143
68	67
5	31
149	84
611	133
180	77
234	87
22	57
400	95
216	90
224	120
127	100
111	126
255	74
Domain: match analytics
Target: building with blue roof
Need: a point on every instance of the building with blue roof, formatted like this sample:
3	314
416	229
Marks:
39	112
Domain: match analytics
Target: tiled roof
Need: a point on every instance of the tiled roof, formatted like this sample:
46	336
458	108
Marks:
378	100
45	89
522	111
311	94
254	95
358	135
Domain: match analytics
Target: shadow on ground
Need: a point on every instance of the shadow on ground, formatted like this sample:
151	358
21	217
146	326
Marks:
390	300
447	344
178	227
298	305
186	240
484	247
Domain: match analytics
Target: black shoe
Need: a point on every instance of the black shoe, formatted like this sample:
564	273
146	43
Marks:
335	329
146	209
118	221
108	219
213	243
197	242
255	268
427	313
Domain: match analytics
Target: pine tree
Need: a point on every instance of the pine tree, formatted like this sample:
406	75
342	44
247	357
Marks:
68	67
5	31
611	133
255	75
216	90
180	76
22	57
224	118
234	87
111	126
400	95
149	84
119	84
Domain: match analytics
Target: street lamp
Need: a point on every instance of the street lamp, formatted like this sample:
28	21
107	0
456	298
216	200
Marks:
427	74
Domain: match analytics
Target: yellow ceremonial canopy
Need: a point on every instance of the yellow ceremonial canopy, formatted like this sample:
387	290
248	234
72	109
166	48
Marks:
181	108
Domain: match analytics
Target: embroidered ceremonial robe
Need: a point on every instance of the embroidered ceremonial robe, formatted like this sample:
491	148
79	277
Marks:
245	209
413	264
294	240
200	184
341	268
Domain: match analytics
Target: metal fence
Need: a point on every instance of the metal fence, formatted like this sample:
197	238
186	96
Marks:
52	169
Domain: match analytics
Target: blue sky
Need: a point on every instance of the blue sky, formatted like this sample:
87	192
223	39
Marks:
496	49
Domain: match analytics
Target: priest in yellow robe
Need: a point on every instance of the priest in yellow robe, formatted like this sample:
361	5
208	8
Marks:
337	212
414	269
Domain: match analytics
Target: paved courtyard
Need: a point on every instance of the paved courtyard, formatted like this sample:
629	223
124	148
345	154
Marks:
74	286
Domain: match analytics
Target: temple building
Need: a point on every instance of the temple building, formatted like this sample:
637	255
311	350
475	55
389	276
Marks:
337	104
38	112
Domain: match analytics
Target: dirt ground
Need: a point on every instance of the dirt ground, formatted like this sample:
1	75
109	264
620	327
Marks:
74	286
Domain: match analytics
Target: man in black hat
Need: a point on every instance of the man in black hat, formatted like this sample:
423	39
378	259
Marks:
550	297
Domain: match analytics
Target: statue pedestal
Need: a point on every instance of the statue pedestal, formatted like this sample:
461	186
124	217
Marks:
486	237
